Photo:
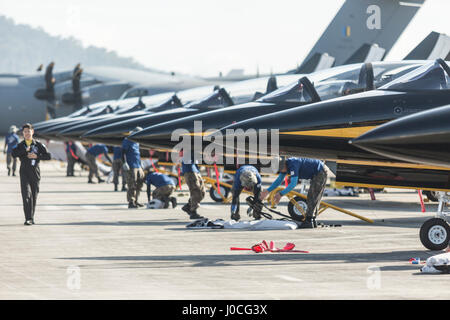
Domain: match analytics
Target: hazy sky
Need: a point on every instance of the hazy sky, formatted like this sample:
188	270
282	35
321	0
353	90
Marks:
204	37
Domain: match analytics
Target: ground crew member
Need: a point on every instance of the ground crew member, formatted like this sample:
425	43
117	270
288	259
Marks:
165	186
11	141
248	178
302	168
76	88
30	152
50	88
196	187
131	158
72	157
117	169
92	153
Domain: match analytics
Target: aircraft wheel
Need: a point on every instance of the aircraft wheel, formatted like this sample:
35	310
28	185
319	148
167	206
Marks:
435	234
214	194
431	195
294	212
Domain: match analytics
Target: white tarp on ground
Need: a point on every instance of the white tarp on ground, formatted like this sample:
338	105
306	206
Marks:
248	225
437	264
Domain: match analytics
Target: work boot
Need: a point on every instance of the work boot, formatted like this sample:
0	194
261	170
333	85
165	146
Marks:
90	181
309	223
14	173
9	172
166	203
235	216
186	208
124	188
100	180
116	188
131	205
28	223
174	201
256	215
194	215
139	204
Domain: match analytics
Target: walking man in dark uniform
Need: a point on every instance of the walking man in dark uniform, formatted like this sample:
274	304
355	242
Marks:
302	168
131	158
30	152
117	169
91	154
248	178
11	141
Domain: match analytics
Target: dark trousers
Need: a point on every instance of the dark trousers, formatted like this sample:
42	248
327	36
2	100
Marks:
315	192
29	184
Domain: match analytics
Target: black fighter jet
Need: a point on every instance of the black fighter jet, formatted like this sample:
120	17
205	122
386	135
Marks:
222	98
323	130
315	87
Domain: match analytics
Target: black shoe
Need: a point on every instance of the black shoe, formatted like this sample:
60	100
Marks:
132	206
32	221
124	188
174	201
90	181
256	215
28	223
236	217
139	204
14	174
186	209
100	180
308	224
195	215
9	172
115	188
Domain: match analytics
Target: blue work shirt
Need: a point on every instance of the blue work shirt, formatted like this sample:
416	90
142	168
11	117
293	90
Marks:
132	154
297	168
98	149
189	167
158	179
237	181
303	168
117	153
12	140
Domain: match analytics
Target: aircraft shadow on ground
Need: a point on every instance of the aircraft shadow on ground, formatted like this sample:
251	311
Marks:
144	223
249	259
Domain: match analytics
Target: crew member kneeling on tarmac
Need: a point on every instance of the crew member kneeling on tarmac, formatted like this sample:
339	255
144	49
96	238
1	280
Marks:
30	152
162	194
248	178
92	153
302	168
131	158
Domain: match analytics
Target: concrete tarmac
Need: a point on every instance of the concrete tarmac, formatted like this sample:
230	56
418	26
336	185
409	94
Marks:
87	244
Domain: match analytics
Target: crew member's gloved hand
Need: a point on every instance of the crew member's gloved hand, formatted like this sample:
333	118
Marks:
125	167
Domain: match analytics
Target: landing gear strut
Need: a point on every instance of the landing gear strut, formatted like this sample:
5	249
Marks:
435	232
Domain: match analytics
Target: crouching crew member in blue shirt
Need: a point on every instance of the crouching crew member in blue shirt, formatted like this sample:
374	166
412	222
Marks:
248	178
302	168
92	153
165	186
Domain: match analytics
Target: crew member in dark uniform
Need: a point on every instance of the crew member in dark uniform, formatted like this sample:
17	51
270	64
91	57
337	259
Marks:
50	87
76	78
30	152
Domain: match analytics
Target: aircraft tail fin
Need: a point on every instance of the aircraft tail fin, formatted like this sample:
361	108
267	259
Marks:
367	53
317	62
434	46
360	22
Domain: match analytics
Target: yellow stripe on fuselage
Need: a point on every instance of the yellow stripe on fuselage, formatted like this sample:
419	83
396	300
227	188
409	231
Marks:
352	132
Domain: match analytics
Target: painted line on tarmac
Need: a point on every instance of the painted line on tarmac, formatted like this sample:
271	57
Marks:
288	278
